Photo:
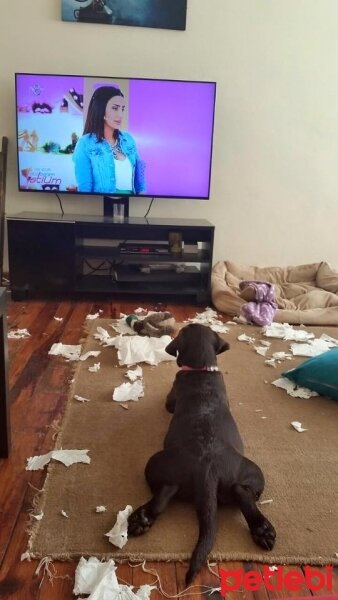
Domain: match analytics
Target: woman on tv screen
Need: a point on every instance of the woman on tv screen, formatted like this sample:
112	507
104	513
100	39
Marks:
105	157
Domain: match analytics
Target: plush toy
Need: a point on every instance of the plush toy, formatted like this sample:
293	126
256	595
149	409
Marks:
154	325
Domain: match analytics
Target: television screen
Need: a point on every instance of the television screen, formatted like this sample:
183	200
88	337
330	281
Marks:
113	136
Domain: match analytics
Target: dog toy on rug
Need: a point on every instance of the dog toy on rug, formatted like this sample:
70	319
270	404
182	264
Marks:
154	325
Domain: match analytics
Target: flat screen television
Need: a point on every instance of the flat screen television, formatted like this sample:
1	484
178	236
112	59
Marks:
114	136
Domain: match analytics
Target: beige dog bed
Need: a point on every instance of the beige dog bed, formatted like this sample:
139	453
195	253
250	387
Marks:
305	294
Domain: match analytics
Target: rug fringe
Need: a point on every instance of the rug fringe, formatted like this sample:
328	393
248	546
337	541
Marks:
207	589
46	564
33	512
49	570
34	488
225	557
56	426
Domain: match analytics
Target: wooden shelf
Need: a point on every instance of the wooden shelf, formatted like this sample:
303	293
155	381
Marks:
53	254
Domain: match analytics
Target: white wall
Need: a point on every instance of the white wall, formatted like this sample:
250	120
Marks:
274	192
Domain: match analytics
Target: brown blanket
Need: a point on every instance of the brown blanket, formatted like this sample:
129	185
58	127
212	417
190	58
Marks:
305	294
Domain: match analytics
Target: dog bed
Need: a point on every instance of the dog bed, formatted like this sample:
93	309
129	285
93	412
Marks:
305	294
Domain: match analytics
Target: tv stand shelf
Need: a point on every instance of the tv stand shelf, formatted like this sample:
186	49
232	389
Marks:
72	254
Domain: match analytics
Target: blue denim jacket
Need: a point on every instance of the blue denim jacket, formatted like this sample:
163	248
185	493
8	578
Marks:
94	164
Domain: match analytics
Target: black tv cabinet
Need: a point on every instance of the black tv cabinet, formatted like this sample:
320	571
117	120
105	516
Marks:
71	254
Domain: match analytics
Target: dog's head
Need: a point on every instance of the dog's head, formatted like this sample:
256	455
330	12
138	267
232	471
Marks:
196	346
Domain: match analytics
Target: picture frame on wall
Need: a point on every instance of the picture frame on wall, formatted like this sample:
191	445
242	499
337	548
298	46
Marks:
163	14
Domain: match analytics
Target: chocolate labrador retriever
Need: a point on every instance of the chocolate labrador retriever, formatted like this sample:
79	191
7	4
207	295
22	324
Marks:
202	459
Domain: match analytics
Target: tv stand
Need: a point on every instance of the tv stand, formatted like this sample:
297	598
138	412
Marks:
71	254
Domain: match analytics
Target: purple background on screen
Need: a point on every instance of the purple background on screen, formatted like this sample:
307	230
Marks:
171	121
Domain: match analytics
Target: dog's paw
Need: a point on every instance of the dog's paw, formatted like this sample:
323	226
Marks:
264	534
139	521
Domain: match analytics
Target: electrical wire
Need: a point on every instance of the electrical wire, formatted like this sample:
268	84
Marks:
100	267
59	199
108	266
152	200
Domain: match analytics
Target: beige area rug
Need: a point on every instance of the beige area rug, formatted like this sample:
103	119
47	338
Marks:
301	469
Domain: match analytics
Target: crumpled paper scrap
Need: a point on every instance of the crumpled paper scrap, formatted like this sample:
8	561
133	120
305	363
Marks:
287	332
209	317
96	578
81	398
67	457
246	338
100	509
104	337
328	338
18	334
314	347
279	356
293	389
271	362
133	374
99	580
118	535
262	350
95	368
93	317
298	426
69	351
135	349
39	516
89	353
25	556
129	391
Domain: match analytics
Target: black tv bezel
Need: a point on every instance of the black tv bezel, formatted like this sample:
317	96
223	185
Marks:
108	194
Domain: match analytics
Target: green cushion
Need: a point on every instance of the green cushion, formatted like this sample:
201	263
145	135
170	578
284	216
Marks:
319	374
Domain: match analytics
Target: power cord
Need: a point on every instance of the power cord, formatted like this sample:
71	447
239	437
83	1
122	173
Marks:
152	200
59	199
100	267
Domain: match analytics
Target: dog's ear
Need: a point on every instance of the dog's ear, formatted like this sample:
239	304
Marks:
221	345
172	347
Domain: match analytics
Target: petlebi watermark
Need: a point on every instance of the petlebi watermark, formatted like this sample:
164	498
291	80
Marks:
278	579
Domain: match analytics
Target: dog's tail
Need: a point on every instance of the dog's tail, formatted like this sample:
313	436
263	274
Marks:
206	507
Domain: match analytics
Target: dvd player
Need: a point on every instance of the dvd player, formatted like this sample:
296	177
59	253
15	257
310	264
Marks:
131	248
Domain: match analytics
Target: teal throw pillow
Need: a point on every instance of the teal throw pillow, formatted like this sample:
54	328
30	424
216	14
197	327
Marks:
319	374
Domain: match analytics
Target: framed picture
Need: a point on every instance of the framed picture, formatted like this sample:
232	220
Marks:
164	14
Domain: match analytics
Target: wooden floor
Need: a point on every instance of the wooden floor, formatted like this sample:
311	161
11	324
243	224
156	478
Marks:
38	392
